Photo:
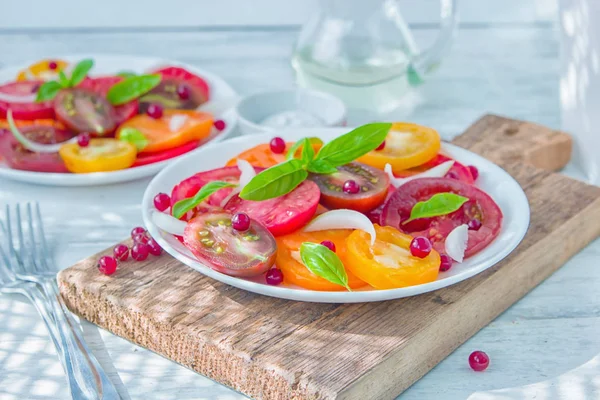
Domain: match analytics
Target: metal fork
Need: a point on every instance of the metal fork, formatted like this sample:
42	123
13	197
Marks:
87	379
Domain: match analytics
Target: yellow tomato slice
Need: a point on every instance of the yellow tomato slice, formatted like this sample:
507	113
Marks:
164	133
407	145
296	273
388	264
41	70
100	155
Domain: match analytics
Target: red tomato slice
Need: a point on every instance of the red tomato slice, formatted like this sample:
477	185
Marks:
480	206
244	254
151	158
101	85
166	93
27	111
17	157
281	215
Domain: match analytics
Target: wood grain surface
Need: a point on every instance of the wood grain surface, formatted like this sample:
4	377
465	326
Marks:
276	349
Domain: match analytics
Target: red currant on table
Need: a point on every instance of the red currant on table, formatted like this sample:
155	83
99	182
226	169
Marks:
329	244
162	201
240	222
274	277
381	146
474	171
107	265
83	139
154	248
474	224
137	231
139	251
445	262
479	361
183	92
121	252
155	111
219	124
277	145
420	247
351	187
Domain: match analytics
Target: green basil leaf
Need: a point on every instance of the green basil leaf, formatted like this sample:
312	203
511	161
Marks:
292	151
308	153
183	206
48	91
63	80
132	88
126	74
321	167
135	137
80	72
438	204
324	263
356	143
275	181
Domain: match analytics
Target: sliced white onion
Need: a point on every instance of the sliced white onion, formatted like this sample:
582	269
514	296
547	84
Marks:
439	171
342	219
169	223
11	98
177	121
456	242
30	144
247	173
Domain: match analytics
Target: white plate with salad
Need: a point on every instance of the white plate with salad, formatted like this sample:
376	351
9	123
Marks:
97	119
327	215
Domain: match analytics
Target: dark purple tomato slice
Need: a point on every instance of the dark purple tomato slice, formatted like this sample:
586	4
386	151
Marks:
29	110
102	85
480	207
373	187
83	110
18	157
215	243
151	158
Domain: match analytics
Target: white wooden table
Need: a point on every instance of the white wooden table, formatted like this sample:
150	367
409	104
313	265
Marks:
506	64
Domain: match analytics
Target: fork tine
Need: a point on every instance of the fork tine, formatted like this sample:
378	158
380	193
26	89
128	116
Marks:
21	237
33	251
5	262
47	260
11	242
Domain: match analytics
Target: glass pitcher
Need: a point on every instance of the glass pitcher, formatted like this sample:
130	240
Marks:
363	52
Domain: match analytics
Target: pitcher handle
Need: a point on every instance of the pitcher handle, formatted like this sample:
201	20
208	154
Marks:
427	61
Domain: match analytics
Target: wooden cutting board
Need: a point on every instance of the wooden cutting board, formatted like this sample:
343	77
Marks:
269	348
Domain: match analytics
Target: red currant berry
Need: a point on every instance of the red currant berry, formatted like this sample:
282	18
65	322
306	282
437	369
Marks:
107	265
381	146
183	91
136	231
219	124
274	277
155	111
154	248
474	171
351	187
277	145
121	252
162	201
139	251
240	222
420	247
445	262
141	238
474	224
479	361
52	65
329	244
83	139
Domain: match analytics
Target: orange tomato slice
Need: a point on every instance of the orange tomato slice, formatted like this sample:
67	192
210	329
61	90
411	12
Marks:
193	126
41	70
388	264
37	122
407	145
100	155
261	156
296	273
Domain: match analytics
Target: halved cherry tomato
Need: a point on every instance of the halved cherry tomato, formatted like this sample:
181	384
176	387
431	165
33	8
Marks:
388	264
480	206
244	254
407	145
18	157
373	185
458	170
29	110
296	273
151	158
83	110
195	126
42	70
102	85
100	155
196	89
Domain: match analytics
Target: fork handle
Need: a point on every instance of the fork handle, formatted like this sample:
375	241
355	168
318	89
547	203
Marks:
87	379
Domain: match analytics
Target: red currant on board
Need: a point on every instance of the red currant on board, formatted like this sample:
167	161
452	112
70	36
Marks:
329	244
277	145
121	252
274	277
139	251
162	201
107	265
137	231
479	361
154	248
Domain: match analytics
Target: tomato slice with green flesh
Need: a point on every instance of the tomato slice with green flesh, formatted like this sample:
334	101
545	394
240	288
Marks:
83	110
151	158
215	243
101	155
480	206
18	157
160	133
389	264
166	94
28	111
373	184
284	214
296	273
458	170
102	85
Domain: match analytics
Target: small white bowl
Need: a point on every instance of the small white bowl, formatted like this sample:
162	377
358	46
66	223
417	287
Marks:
254	109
